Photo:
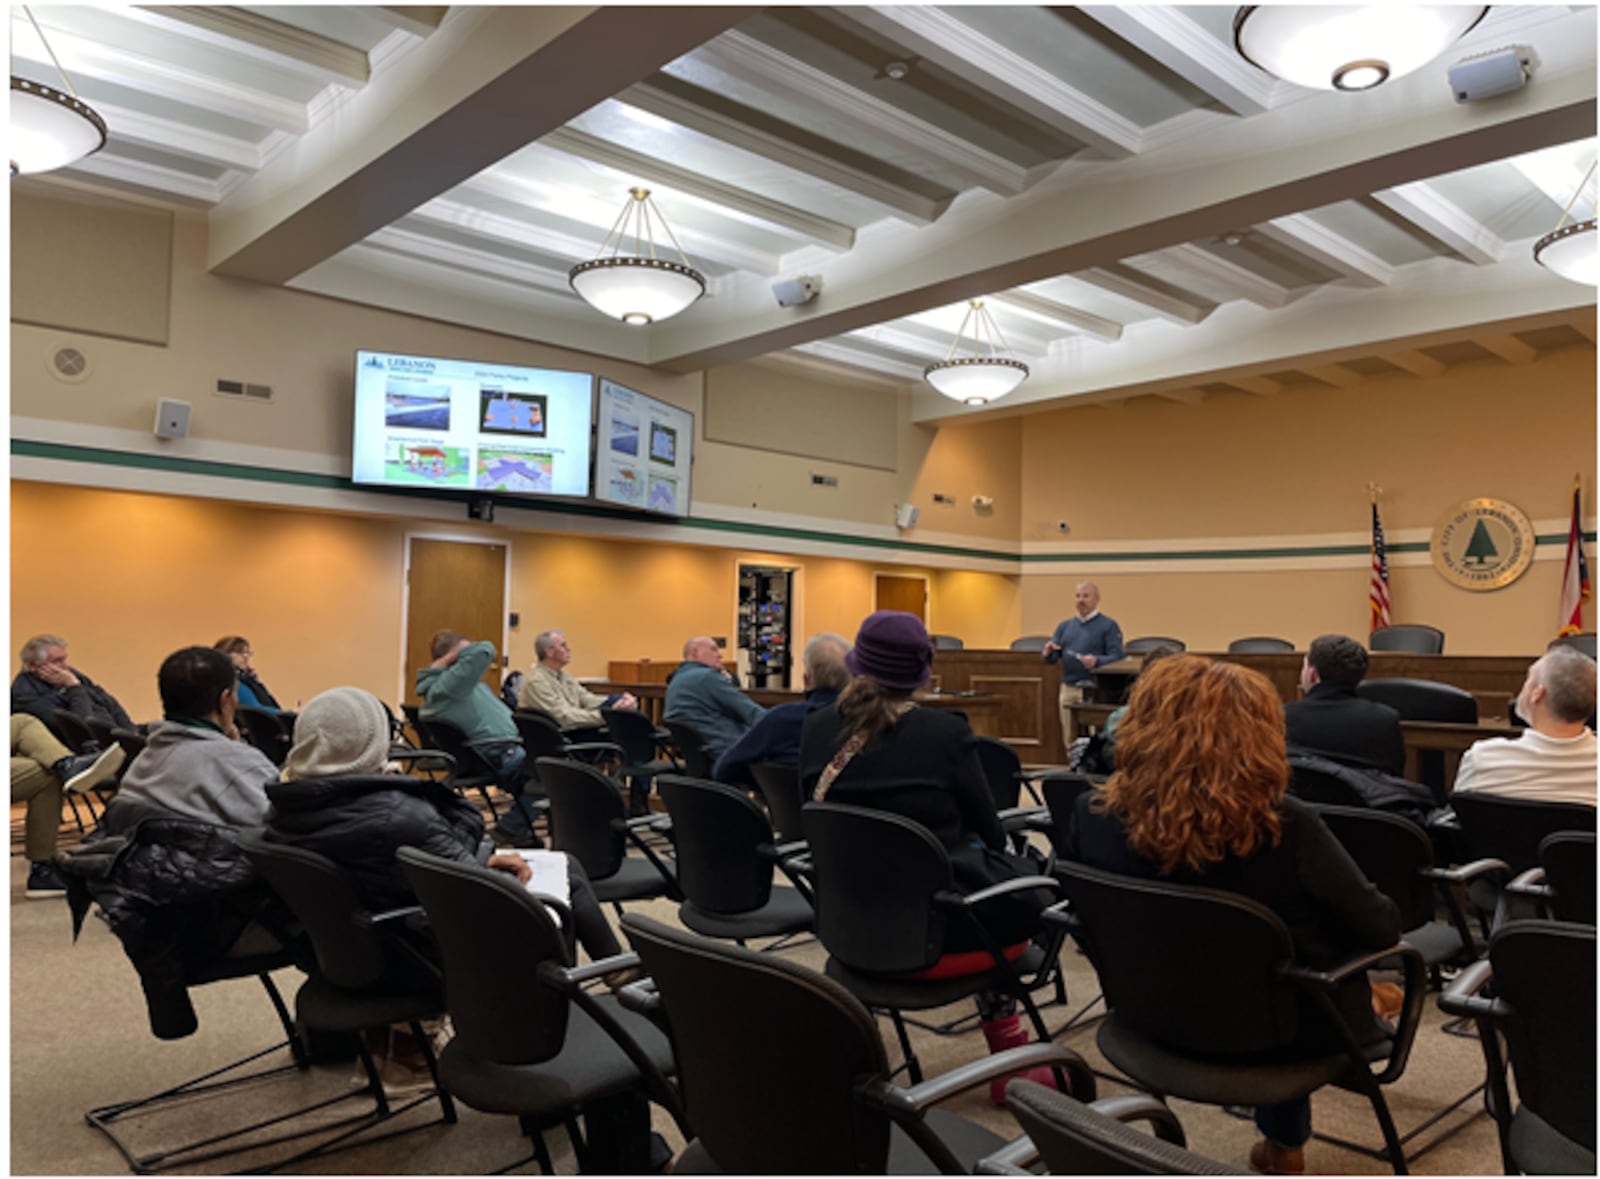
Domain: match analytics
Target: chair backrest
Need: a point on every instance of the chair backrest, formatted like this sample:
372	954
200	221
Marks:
1159	951
494	935
1583	643
586	815
1545	972
265	731
1568	859
780	787
1259	645
1076	1139
1422	700
73	730
322	897
132	744
1511	829
718	831
1029	642
1151	642
1412	638
632	730
448	736
1001	765
1314	785
541	736
691	747
1392	852
876	874
760	1041
1061	793
511	689
947	643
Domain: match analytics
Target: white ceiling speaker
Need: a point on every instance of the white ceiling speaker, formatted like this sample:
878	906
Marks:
1348	46
905	516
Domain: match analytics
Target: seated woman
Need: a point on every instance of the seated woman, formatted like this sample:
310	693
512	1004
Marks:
875	748
252	693
1200	797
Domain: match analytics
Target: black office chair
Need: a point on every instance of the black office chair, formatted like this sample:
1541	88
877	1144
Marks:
1071	1138
587	821
726	858
1567	859
1425	700
760	1039
1061	794
265	731
1002	768
1259	645
691	749
1582	643
542	737
1509	830
74	732
1542	974
641	744
947	643
780	789
1191	1019
1150	642
530	1041
1413	639
366	978
470	769
1029	642
884	895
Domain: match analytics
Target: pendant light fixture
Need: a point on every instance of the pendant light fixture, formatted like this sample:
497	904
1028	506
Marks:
50	128
1348	46
1570	250
986	374
637	288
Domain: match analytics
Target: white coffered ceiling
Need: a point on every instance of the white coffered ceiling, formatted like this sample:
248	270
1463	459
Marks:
1144	210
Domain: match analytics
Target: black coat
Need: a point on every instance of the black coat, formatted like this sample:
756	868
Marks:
85	699
1334	722
359	821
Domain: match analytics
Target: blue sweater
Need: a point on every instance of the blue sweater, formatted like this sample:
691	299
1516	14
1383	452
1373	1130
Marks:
775	737
1100	637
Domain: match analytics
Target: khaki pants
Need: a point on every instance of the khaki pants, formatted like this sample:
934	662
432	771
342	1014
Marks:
1069	694
34	750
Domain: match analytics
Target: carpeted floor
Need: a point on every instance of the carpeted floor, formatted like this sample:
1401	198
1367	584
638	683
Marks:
79	1038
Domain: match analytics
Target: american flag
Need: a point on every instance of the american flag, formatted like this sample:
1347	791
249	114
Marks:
1575	587
1378	587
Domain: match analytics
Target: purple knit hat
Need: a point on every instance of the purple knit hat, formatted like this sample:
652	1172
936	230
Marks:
893	648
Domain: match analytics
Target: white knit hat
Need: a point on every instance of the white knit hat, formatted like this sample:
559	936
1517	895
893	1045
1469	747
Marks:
340	731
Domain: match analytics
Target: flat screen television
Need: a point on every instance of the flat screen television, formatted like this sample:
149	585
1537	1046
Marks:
644	451
468	425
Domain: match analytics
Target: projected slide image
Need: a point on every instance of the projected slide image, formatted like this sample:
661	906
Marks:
416	407
624	433
663	443
424	464
663	495
627	486
514	470
513	413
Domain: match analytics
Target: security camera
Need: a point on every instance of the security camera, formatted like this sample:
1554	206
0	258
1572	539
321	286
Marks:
794	292
1489	75
983	502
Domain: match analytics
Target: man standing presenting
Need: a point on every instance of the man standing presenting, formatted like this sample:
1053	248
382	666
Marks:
1080	644
1554	758
700	695
551	688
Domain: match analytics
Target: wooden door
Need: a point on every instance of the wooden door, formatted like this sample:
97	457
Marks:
457	585
901	593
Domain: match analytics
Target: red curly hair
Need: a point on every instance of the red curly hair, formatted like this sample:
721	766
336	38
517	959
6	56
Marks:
1201	765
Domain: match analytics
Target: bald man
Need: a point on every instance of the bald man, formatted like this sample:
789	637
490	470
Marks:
700	695
1082	643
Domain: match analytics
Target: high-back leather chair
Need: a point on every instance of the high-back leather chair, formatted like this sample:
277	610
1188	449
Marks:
1029	642
1413	638
947	643
1259	645
1150	642
1583	643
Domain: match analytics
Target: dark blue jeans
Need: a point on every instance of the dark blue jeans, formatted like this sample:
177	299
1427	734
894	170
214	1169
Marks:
511	764
1288	1123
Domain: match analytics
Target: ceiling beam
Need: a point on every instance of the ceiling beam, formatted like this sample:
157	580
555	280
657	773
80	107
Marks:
676	104
418	20
726	199
1177	42
1166	305
1421	205
1243	283
192	190
1508	348
1259	386
852	370
840	352
178	139
489	82
1310	239
1418	364
1052	312
403	240
940	36
1333	374
793	81
1182	396
236	30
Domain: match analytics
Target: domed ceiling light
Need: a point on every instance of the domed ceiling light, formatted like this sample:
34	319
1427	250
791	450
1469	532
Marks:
1348	47
637	288
986	374
1570	249
50	128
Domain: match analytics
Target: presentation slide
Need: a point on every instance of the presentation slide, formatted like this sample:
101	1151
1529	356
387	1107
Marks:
642	456
472	426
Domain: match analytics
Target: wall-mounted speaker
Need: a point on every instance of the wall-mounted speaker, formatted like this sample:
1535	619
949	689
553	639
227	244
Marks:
172	419
905	516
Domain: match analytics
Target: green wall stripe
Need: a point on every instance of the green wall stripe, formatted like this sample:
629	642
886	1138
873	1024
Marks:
190	466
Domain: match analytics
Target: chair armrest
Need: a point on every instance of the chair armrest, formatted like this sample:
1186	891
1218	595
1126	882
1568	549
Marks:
642	998
1061	914
1530	884
1014	1158
661	822
572	978
1022	818
1136	1107
784	851
902	1102
1016	884
594	747
1462	996
1328	979
1466	873
370	920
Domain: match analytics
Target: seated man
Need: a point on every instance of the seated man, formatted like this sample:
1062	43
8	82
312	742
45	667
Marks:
452	690
195	763
776	736
1553	760
700	695
550	687
1336	723
47	682
41	769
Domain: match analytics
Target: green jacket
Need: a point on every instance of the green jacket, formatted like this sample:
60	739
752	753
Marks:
457	694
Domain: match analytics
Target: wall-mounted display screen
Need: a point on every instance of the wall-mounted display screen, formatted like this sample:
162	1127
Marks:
643	451
471	426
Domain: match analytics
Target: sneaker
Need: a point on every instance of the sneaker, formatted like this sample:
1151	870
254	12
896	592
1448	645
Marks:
83	773
402	1077
505	837
44	882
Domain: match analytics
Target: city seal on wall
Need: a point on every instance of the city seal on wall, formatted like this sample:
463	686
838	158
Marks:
1482	544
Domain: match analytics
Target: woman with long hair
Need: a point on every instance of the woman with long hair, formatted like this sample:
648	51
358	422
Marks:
1200	797
875	748
252	692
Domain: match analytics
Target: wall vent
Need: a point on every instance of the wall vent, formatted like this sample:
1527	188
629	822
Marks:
243	389
824	480
69	364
